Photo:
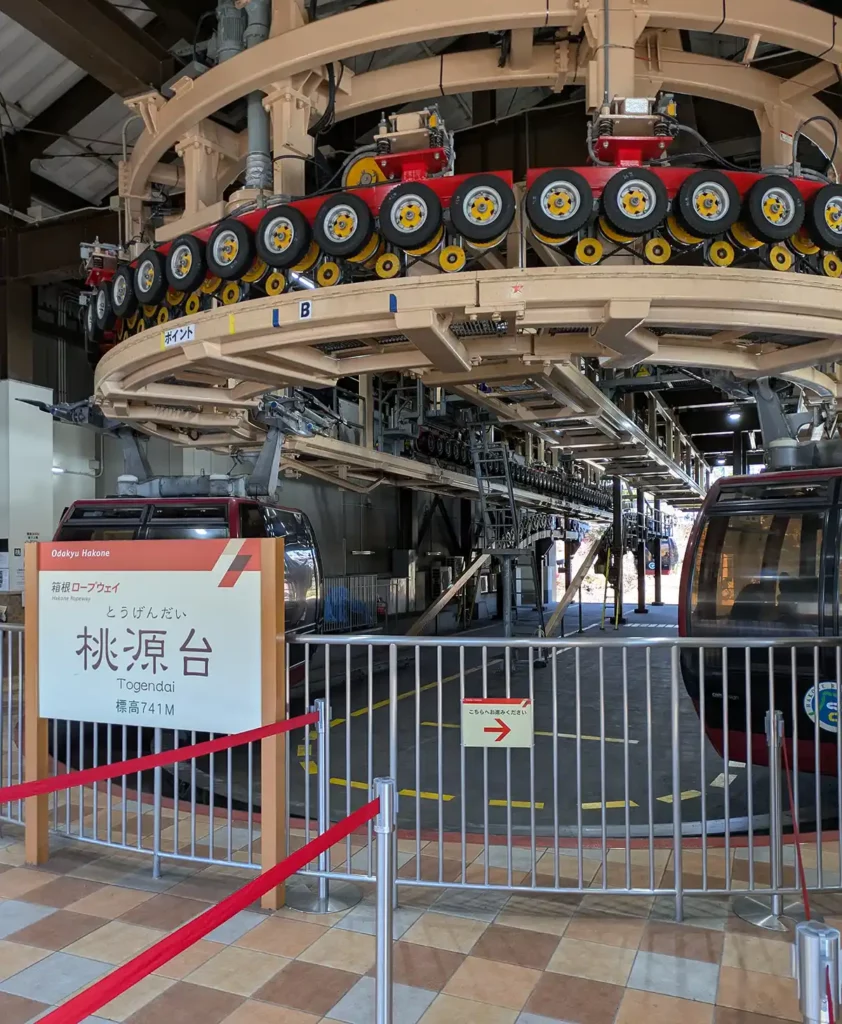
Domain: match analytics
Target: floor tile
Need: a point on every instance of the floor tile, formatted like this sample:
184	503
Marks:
109	901
516	946
498	984
15	914
533	1018
675	976
235	928
15	957
652	1008
16	1010
474	904
54	978
549	914
758	993
62	892
209	886
309	987
443	932
357	1005
700	911
187	1004
116	942
343	952
164	912
608	929
17	882
135	999
58	930
141	877
281	936
583	1001
363	919
185	963
725	1015
252	1012
241	971
619	906
738	926
592	960
450	1010
423	966
757	953
678	940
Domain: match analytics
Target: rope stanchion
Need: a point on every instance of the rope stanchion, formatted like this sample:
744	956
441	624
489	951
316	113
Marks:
115	984
102	773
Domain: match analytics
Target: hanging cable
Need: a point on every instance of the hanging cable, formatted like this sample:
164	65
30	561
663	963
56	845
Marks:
799	131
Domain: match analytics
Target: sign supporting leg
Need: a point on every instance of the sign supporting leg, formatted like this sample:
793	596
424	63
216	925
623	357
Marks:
36	760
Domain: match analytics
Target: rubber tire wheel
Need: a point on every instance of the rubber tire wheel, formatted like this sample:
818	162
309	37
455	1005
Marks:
301	236
92	329
194	277
421	235
439	447
159	282
814	221
687	216
614	215
360	238
482	232
543	222
104	318
241	262
757	223
129	305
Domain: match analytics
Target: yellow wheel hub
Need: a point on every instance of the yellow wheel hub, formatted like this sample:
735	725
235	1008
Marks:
424	249
833	215
634	202
831	265
163	315
657	250
589	251
229	249
341	224
410	215
611	234
780	258
452	258
559	203
708	204
147	276
231	293
482	208
742	236
328	274
551	239
282	237
193	304
387	265
367	251
149	312
184	262
210	285
803	244
721	254
174	297
131	323
275	283
773	209
255	271
309	259
680	234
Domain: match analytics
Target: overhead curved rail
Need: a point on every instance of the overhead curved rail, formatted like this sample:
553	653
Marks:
399	22
682	316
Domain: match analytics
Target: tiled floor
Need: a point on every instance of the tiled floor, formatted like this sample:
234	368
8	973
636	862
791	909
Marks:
460	957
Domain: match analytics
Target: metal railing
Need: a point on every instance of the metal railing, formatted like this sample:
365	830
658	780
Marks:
622	791
350	603
11	716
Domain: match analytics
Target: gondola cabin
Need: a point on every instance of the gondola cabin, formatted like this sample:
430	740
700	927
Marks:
763	562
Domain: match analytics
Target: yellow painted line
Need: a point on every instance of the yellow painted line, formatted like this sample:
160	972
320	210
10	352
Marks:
562	735
231	328
411	693
353	785
686	794
425	795
539	806
611	805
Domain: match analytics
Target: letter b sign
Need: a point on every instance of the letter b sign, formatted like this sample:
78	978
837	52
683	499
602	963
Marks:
305	309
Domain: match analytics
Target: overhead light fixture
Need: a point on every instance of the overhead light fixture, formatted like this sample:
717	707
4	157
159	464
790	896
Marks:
58	469
720	462
735	414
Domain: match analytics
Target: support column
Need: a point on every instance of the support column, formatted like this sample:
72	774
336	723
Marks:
739	454
16	358
618	546
641	555
367	395
659	529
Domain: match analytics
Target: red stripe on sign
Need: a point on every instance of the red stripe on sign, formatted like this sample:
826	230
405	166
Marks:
247	559
521	702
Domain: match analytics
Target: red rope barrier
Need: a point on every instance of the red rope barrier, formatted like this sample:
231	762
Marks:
115	984
796	834
87	776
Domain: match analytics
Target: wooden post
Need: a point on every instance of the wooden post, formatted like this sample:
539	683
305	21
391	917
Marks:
36	755
273	809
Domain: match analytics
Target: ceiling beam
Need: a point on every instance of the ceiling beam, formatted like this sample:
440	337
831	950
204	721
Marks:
98	38
50	194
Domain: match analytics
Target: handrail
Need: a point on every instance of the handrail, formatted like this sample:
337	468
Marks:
115	984
101	773
378	640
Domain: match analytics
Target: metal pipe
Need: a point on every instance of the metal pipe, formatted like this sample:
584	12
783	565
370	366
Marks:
641	554
507	594
230	25
322	727
384	828
774	737
259	159
619	548
156	812
659	528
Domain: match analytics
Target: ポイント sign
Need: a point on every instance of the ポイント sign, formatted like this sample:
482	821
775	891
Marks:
155	633
497	722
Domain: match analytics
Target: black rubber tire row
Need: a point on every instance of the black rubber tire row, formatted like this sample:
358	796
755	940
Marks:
189	260
809	215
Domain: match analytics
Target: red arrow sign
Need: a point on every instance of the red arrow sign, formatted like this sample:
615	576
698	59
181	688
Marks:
503	729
